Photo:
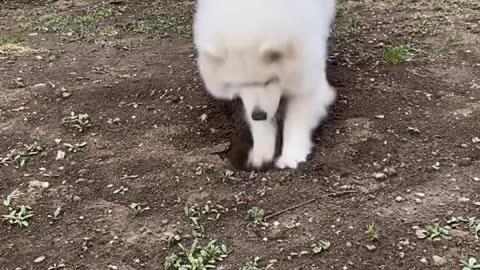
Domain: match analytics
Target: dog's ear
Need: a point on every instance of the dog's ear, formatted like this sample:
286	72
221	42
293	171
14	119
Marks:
276	53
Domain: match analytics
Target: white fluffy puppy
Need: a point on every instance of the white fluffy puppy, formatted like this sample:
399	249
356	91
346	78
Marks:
260	51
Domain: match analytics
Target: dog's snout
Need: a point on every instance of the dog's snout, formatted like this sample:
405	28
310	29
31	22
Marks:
259	115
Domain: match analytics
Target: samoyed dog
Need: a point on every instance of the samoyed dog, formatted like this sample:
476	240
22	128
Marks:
263	50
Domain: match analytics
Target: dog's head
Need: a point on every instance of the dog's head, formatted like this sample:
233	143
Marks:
254	74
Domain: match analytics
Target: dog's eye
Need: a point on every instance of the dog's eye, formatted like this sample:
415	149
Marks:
270	81
273	56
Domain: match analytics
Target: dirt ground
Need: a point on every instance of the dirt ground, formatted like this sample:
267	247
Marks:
402	138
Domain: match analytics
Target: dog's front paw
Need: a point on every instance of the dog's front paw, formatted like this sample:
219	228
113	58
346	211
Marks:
261	155
292	156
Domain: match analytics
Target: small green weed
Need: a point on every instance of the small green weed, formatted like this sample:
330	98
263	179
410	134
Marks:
139	27
398	54
14	158
474	225
76	147
19	215
252	264
433	232
136	209
107	32
57	212
228	175
172	238
12	45
256	214
372	231
196	215
471	264
52	22
196	257
81	121
14	195
203	168
34	149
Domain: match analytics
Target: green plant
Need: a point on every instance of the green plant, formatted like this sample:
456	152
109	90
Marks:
433	232
193	214
34	149
196	257
474	225
136	209
76	147
172	238
139	27
372	231
8	202
256	214
228	175
398	54
252	264
19	216
14	158
56	213
80	121
471	264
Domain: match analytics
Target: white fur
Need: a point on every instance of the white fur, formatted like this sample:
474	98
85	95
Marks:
235	38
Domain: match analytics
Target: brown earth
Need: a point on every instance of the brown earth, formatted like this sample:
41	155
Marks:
156	129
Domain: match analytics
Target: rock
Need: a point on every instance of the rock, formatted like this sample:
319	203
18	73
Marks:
371	247
438	261
476	179
38	184
82	172
424	261
76	198
348	244
399	199
39	259
379	175
390	171
458	233
60	155
420	194
463	199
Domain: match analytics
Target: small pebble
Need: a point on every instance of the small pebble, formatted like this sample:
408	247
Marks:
380	175
39	259
399	199
76	198
424	260
438	261
371	247
420	194
463	199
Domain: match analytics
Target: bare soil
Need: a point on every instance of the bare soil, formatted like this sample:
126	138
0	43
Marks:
403	138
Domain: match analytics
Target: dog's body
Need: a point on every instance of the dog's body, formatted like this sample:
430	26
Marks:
260	51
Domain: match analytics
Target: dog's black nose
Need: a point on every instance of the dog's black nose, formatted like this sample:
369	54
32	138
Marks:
259	115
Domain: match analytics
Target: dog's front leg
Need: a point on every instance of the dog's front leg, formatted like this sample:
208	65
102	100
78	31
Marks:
264	135
303	114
